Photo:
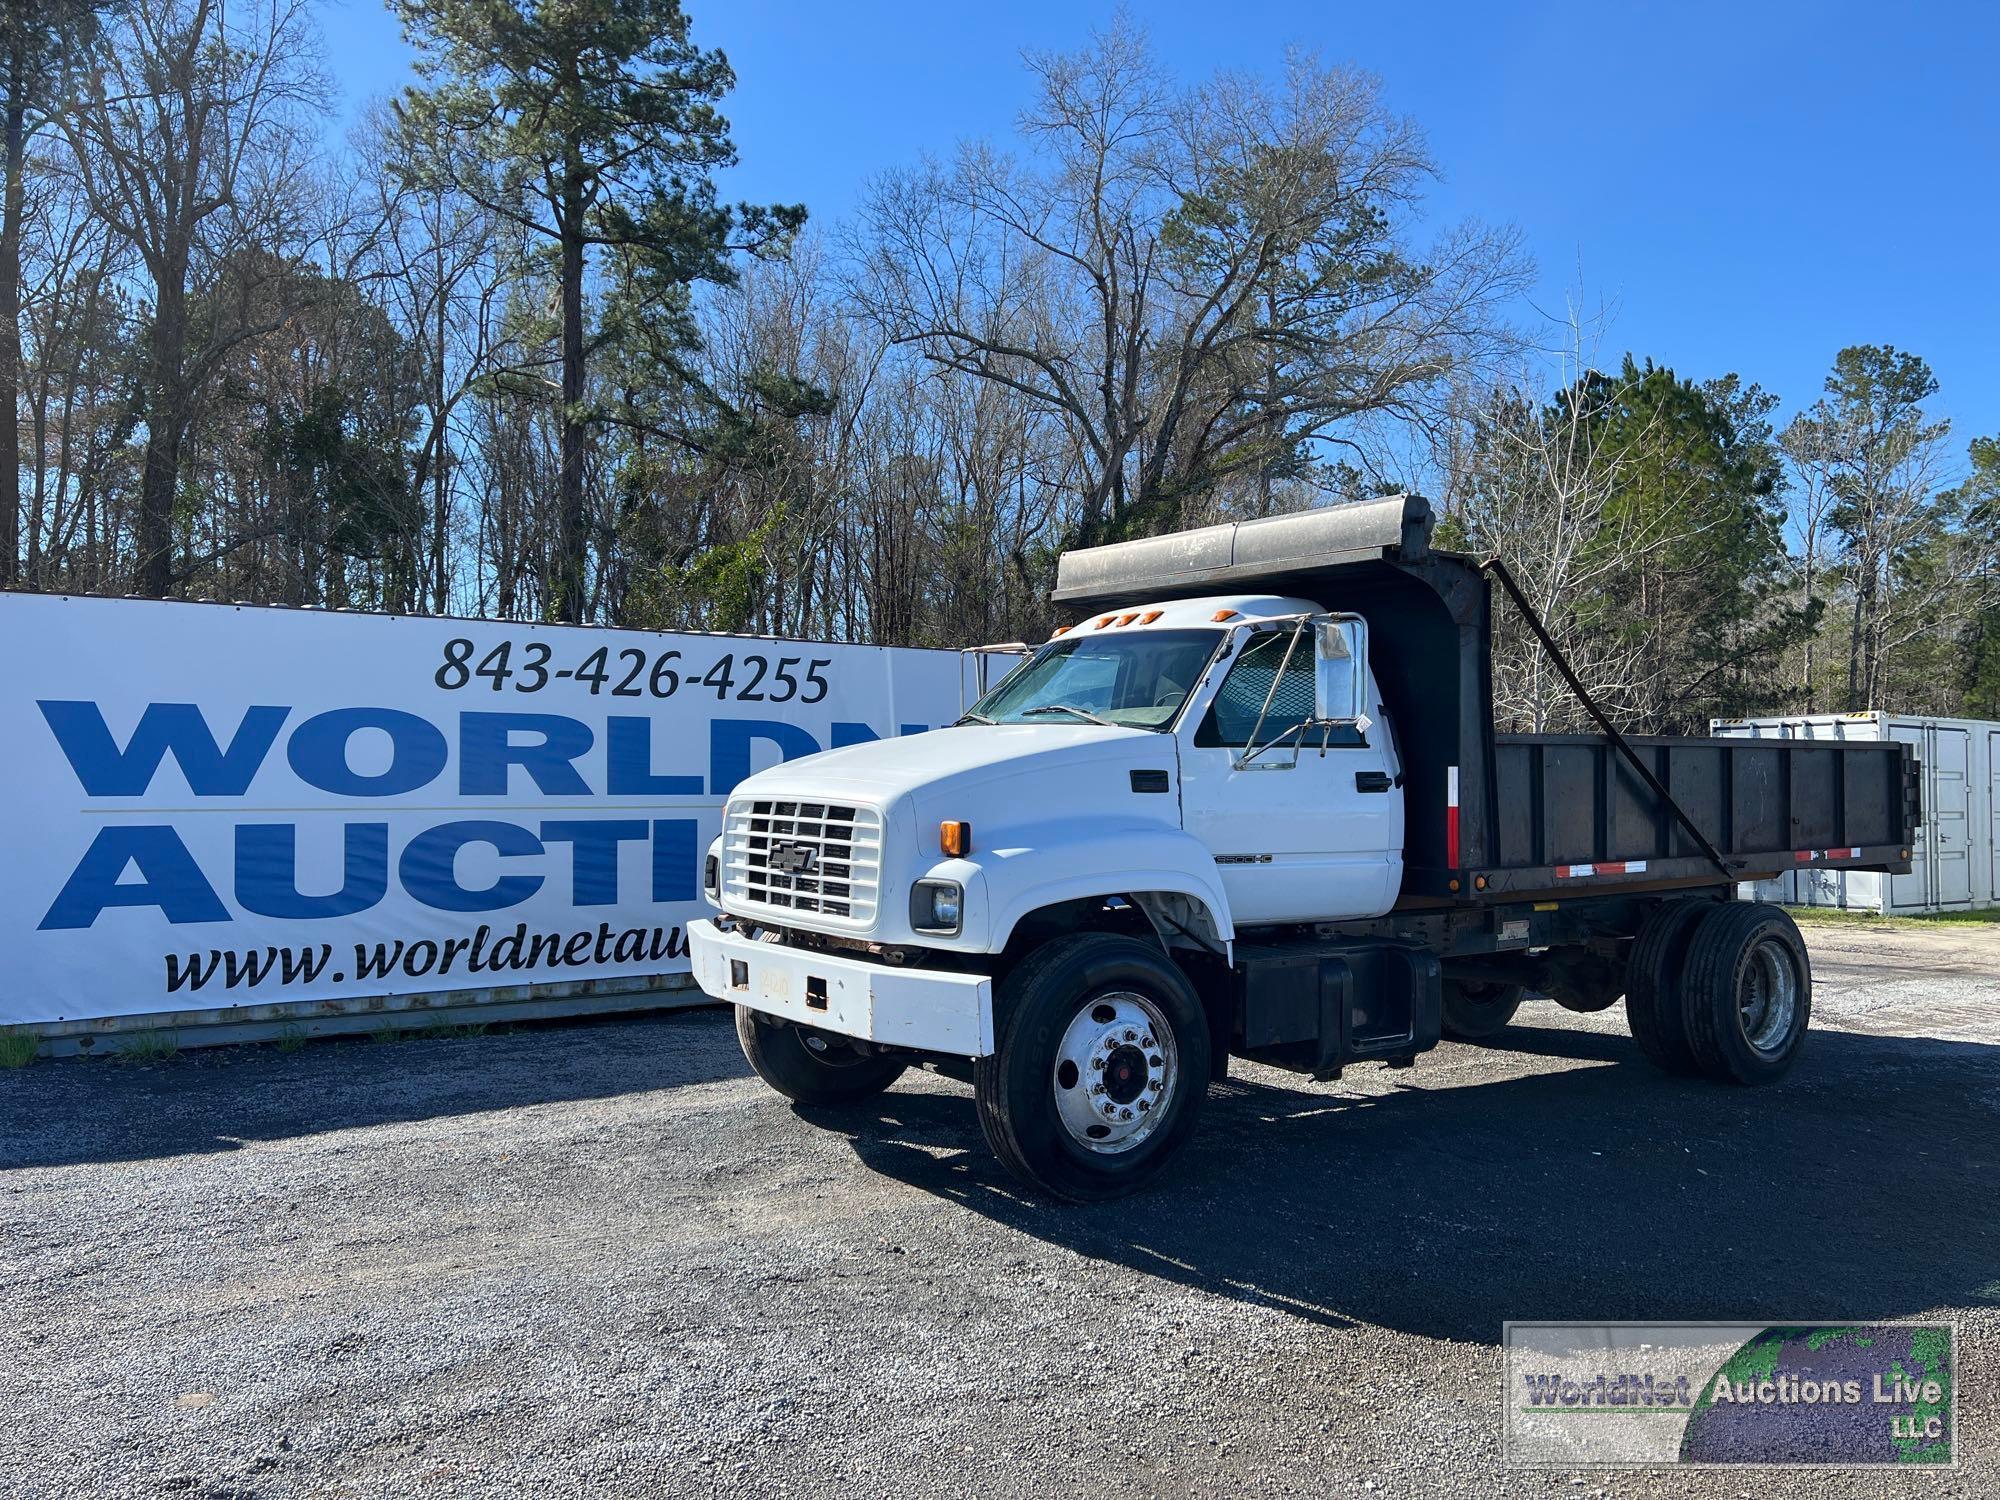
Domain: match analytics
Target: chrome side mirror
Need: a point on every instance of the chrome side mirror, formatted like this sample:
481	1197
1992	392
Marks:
1340	669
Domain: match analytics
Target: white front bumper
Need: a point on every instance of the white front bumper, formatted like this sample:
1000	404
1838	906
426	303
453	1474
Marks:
929	1009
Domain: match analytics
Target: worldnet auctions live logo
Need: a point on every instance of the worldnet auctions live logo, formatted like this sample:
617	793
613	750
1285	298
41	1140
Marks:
1821	1394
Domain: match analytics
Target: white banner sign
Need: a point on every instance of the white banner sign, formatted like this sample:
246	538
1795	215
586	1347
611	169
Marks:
220	805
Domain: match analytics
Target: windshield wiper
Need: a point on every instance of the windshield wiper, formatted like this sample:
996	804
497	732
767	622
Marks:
1067	708
969	717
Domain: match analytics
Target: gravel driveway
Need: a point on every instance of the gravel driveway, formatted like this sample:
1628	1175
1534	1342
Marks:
602	1259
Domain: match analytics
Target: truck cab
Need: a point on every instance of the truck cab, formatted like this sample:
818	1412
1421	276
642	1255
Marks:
1231	744
1201	820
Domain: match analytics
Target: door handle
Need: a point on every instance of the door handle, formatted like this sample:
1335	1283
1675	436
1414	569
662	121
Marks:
1372	781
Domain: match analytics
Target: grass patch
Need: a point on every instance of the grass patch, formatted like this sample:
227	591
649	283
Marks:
149	1046
292	1037
437	1029
17	1047
1833	916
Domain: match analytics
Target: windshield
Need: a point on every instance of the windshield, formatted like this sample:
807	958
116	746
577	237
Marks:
1138	680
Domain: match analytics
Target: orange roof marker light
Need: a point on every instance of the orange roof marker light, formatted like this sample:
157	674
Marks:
1223	614
1150	615
1059	630
1128	619
1108	619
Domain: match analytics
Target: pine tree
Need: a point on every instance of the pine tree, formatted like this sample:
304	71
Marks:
1979	497
593	125
1882	456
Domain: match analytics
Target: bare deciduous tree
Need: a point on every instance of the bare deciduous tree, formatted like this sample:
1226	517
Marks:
190	140
1198	284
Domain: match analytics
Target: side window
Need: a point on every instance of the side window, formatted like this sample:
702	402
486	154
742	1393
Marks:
1240	699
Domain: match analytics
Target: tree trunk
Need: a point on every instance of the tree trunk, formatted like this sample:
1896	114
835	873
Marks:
571	545
441	515
166	419
10	304
1812	635
1864	580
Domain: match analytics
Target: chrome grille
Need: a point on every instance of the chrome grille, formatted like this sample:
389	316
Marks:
797	858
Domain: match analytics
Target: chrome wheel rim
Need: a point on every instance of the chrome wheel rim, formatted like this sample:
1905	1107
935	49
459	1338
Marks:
1767	997
1115	1073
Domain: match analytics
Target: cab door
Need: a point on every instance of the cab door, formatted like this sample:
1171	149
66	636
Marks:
1309	827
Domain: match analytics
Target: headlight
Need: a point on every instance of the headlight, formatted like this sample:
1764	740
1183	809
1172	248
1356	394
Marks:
937	906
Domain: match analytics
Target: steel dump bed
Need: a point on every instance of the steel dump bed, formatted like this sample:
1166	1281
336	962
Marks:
1493	816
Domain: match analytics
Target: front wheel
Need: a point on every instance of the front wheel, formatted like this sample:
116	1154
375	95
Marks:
1101	1067
812	1066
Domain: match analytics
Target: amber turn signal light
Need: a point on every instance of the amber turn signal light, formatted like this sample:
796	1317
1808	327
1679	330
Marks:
955	839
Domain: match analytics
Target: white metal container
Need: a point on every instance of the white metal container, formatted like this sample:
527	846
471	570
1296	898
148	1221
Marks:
1956	864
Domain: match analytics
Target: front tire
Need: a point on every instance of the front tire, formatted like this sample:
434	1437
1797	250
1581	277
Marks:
812	1066
1475	1009
1100	1070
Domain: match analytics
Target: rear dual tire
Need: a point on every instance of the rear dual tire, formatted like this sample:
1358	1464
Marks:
1721	990
1746	993
1653	987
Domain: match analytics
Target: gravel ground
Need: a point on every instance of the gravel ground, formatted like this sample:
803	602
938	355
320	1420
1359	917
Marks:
602	1259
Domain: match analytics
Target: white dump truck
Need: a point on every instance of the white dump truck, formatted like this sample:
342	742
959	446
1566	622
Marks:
1248	801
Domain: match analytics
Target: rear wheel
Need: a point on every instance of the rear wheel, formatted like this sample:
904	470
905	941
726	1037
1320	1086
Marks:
1746	994
813	1066
1100	1069
1653	986
1478	1008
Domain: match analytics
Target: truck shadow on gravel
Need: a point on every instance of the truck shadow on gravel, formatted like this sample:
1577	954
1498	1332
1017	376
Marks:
1861	1187
72	1111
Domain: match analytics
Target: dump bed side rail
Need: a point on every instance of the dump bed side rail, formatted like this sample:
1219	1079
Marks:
1573	813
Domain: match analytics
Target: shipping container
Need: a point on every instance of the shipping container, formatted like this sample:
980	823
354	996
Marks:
1956	865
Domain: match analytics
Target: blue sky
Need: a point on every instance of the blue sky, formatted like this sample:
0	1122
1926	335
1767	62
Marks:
1749	186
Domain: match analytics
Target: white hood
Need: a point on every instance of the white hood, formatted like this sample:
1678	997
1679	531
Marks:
882	770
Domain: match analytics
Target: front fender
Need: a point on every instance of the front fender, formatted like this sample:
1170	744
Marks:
1080	859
